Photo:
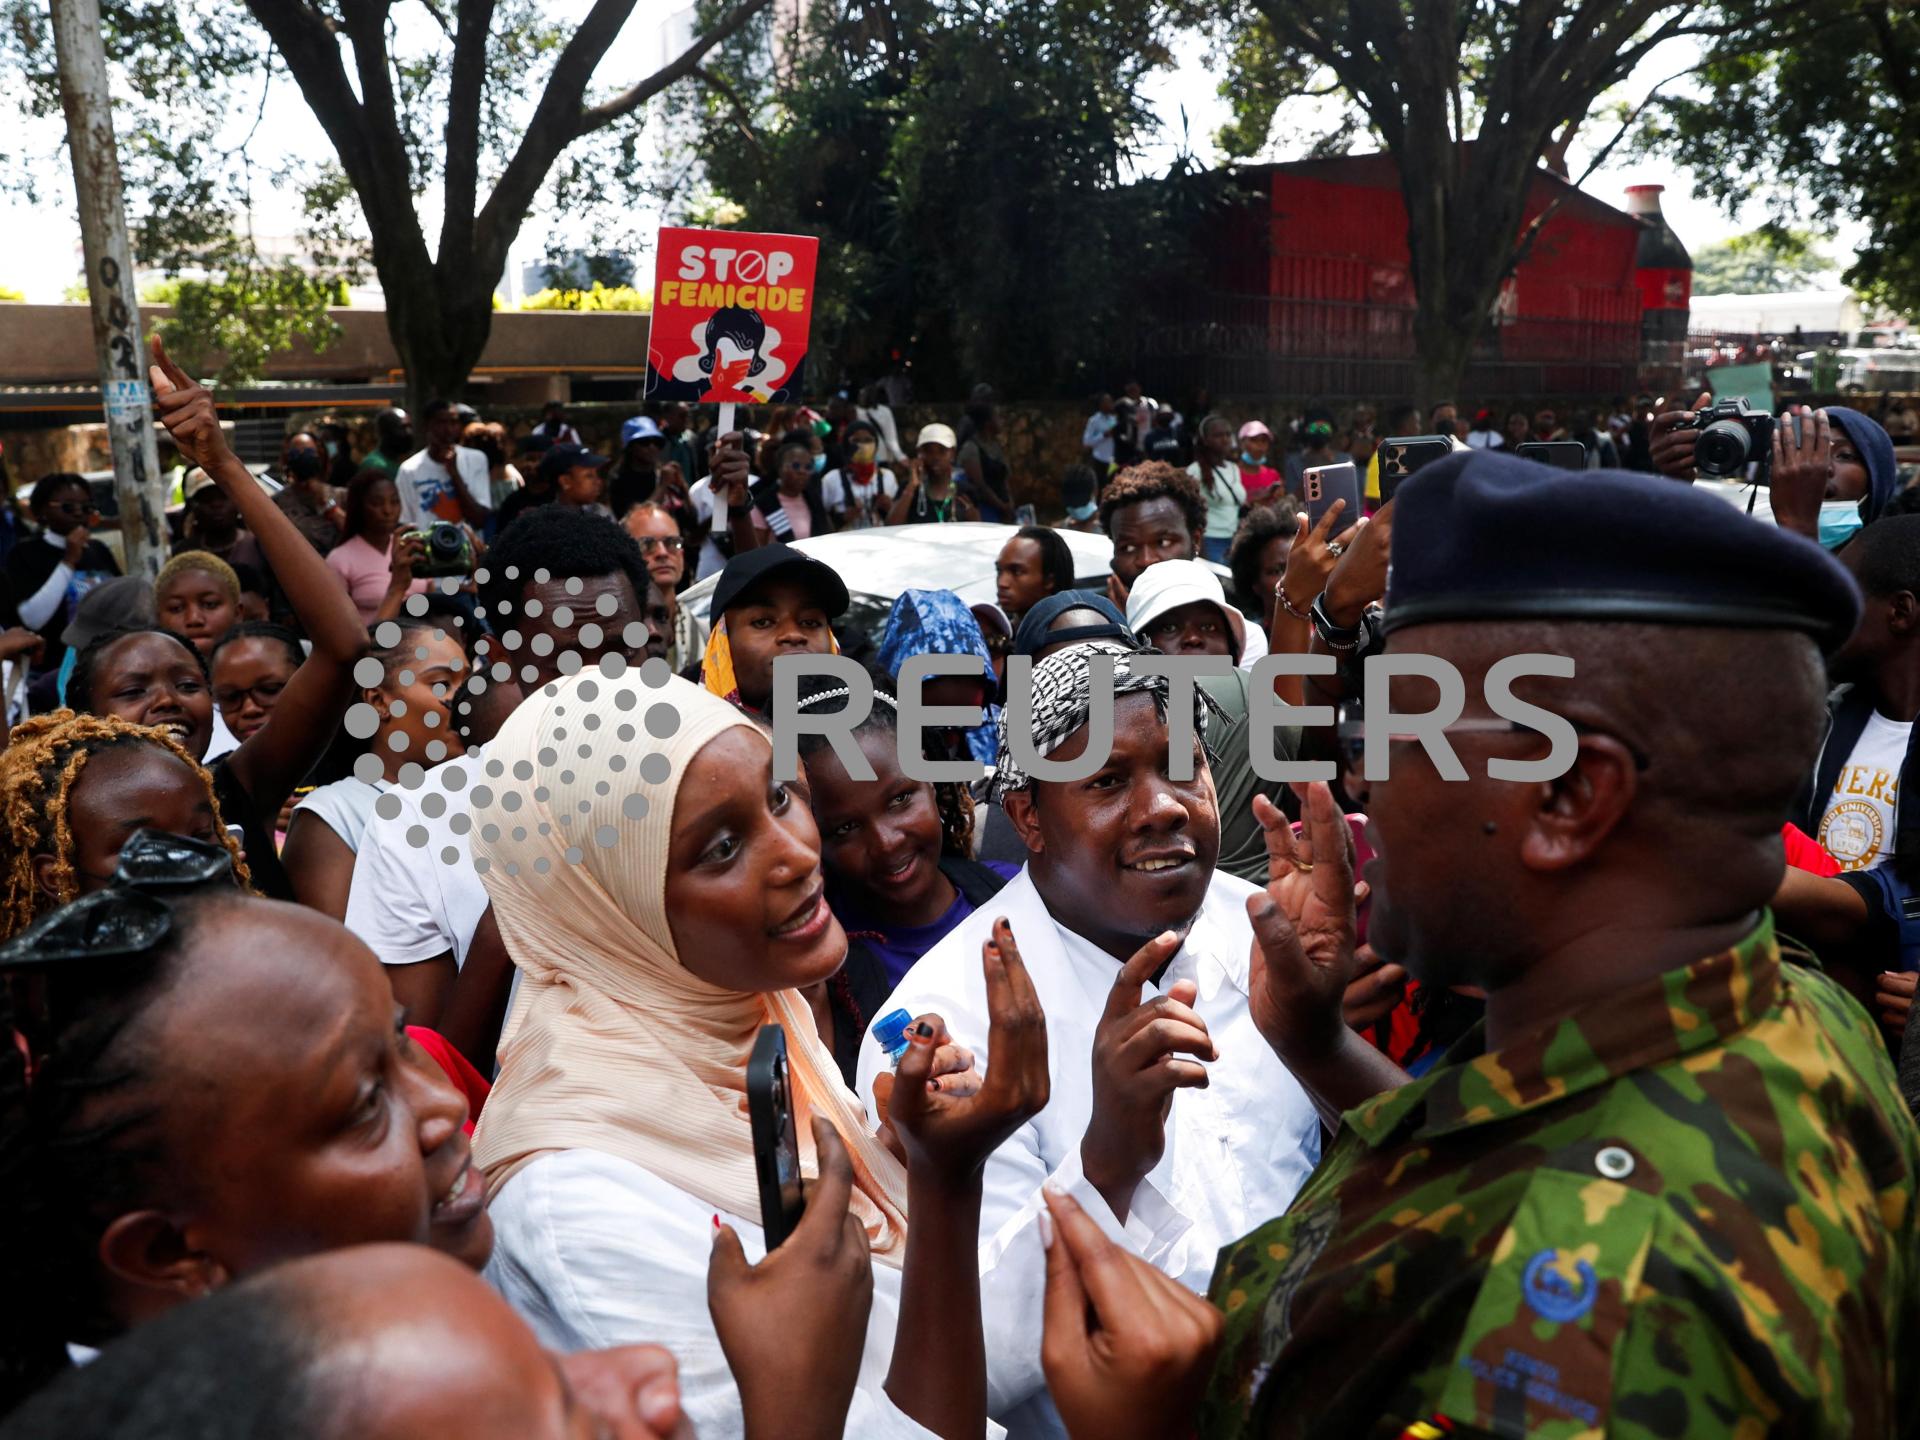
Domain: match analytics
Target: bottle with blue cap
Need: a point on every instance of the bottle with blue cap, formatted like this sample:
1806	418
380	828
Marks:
890	1034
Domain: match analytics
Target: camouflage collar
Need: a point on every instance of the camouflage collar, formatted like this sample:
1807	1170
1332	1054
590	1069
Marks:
1651	1023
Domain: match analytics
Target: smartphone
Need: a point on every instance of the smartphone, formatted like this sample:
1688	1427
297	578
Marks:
1403	455
776	1146
1321	485
1561	454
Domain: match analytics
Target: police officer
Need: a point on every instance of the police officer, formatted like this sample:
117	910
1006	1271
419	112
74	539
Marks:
1666	1188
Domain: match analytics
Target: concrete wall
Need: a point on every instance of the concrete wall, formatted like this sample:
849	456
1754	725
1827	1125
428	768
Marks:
53	344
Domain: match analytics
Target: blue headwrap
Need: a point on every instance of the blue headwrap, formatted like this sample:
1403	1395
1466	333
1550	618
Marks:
939	622
1876	453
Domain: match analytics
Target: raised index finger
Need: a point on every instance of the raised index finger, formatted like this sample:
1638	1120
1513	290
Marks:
1332	847
177	378
1145	964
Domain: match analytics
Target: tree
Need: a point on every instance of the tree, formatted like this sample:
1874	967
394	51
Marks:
1469	97
1763	261
1829	116
964	164
483	101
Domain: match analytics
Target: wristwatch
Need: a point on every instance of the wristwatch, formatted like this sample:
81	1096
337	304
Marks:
1335	637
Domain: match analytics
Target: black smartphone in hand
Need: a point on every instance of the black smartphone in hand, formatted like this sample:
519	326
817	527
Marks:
776	1145
1402	455
1561	454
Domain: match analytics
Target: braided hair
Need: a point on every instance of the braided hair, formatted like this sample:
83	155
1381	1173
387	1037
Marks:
79	1145
824	695
43	761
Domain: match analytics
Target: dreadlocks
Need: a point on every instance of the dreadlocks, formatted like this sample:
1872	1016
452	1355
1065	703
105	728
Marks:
38	770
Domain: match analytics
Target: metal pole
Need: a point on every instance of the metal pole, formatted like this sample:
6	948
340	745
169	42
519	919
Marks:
109	255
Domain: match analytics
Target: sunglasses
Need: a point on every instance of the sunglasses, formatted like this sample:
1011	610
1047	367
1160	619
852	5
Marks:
672	544
132	916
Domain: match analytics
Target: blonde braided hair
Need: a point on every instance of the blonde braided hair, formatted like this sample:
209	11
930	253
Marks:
43	761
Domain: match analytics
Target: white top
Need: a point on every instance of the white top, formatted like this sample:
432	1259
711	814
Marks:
222	742
881	418
407	902
1857	829
712	510
344	807
424	484
1236	1152
1486	440
1097	436
842	492
1224	497
593	1251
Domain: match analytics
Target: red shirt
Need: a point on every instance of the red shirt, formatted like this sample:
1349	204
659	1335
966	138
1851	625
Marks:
1805	853
1255	478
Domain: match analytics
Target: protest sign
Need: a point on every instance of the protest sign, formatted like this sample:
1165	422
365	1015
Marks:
731	310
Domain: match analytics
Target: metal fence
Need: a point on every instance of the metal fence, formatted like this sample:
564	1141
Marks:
1255	344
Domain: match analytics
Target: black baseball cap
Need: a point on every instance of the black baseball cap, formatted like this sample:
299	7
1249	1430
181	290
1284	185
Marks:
561	458
747	571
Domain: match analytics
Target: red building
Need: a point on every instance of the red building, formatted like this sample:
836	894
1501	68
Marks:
1308	293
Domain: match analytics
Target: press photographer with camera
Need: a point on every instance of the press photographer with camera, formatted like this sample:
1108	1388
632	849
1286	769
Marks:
374	558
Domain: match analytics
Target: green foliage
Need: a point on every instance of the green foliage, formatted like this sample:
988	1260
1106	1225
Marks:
600	297
1763	261
963	163
243	318
1823	105
11	296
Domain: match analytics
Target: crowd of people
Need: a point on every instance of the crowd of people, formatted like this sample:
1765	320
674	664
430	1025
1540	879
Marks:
396	889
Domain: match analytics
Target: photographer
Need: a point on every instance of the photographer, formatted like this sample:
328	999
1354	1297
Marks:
373	560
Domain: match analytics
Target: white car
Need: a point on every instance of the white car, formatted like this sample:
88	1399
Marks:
879	563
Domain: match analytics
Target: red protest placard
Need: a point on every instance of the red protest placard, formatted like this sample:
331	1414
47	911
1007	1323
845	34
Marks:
731	311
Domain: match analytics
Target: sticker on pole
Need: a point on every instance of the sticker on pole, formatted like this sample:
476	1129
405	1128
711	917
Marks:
730	316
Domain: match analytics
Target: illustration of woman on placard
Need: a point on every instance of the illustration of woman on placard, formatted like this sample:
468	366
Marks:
734	358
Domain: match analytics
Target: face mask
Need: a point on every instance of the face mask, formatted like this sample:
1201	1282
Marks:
1248	458
1317	432
304	464
1839	519
333	449
819	463
1083	513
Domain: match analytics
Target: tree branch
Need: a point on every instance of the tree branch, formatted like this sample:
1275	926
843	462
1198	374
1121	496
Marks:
594	116
466	85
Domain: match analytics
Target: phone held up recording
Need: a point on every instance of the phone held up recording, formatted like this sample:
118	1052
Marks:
1403	455
776	1146
1321	485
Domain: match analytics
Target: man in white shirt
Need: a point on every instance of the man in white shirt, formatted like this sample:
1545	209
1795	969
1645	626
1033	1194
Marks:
447	480
1097	438
1170	1120
415	899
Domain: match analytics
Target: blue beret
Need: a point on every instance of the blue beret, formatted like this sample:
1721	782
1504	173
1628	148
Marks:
1483	536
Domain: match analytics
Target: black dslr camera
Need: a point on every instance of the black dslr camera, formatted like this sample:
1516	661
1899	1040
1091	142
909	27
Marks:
1732	436
445	550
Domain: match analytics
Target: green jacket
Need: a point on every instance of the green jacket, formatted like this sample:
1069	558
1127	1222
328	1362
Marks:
1686	1211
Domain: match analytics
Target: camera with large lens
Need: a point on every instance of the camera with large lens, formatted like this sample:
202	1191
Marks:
444	550
1733	435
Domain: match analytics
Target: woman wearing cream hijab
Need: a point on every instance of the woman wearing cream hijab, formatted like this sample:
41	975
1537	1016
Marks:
662	898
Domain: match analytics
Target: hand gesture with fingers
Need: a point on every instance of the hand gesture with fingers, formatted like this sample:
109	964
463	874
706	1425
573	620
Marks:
1670	440
185	407
1303	948
1802	466
949	1129
793	1326
1375	990
1312	558
1140	1057
1126	1351
1360	574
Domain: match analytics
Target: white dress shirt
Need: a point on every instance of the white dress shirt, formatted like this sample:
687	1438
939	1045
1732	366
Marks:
1236	1152
406	902
594	1251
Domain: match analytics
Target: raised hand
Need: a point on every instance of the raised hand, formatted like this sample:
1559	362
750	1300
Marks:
793	1326
731	469
1359	576
1375	990
1137	1066
185	407
1303	947
952	1073
1802	466
949	1129
1126	1351
1670	441
1311	560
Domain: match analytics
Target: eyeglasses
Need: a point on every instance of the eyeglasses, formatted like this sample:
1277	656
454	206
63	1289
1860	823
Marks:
1350	734
264	695
672	544
131	917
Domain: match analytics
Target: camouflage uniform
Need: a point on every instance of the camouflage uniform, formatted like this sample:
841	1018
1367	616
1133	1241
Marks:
1686	1211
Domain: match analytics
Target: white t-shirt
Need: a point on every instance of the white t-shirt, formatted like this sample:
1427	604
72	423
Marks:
1485	440
1098	436
409	902
1857	829
593	1251
345	807
843	493
1224	498
426	487
712	510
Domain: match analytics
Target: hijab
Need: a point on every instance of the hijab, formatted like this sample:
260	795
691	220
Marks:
939	622
1876	453
613	1044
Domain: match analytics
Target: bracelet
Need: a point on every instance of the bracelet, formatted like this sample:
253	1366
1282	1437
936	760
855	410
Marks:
1280	594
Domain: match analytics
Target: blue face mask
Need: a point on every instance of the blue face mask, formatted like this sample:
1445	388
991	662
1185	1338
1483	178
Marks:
819	463
1249	459
1839	519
